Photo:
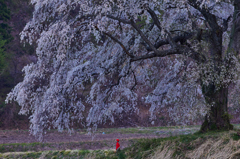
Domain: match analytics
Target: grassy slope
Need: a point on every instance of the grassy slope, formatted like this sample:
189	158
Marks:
211	145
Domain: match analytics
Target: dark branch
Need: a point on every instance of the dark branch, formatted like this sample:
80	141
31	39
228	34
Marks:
177	49
143	36
170	40
119	19
210	18
150	27
137	29
225	23
215	32
155	18
180	38
159	54
116	40
135	81
184	50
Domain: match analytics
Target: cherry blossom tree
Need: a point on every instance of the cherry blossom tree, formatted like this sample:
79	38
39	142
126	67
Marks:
102	57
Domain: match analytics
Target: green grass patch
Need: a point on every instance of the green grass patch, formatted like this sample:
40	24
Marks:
12	147
80	154
106	154
235	137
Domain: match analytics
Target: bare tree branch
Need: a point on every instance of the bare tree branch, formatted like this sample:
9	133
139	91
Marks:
210	18
170	40
159	54
143	36
135	80
177	49
155	18
184	50
119	19
225	23
180	38
116	40
131	22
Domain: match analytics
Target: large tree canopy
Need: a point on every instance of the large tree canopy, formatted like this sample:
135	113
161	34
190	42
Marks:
104	56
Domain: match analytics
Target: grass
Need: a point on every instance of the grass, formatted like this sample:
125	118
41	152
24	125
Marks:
80	154
24	147
216	144
130	130
144	130
181	146
211	144
118	130
236	126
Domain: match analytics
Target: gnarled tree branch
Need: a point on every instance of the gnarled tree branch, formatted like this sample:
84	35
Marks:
184	50
155	18
116	40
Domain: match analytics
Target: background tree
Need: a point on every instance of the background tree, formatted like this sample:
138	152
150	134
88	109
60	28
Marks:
14	14
103	57
5	36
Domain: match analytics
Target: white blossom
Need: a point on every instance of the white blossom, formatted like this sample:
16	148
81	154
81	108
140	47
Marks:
81	69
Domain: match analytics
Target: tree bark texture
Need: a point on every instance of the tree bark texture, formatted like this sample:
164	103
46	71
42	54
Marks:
235	32
217	117
216	96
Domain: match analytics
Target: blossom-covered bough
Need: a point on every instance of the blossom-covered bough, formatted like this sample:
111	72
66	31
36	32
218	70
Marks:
99	58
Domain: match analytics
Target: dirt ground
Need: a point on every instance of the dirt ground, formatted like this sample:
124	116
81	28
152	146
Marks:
104	138
78	140
56	137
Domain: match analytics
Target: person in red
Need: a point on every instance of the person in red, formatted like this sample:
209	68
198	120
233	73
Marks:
117	145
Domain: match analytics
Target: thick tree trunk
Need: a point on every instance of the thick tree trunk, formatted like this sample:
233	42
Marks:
217	96
217	117
234	43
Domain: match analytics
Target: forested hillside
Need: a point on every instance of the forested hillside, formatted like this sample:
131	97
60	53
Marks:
14	14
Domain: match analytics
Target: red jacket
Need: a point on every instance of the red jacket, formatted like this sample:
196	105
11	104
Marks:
117	144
